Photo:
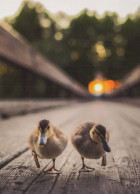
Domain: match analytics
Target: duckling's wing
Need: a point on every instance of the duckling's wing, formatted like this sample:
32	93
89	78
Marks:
60	135
81	133
57	131
32	139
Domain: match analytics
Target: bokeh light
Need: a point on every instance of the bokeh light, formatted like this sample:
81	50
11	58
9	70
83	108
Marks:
99	87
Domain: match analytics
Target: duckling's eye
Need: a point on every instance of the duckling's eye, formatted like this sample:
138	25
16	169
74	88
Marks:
48	127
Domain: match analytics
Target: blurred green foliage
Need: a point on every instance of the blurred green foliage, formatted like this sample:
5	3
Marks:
88	45
16	82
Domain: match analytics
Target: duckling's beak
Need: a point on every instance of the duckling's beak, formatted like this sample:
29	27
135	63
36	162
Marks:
42	139
105	145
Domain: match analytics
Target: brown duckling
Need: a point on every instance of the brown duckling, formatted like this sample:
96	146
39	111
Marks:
47	142
90	140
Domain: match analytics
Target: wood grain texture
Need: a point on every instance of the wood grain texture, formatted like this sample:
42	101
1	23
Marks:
121	175
10	108
14	132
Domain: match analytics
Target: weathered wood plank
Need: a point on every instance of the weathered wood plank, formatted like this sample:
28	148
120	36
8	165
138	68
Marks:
23	181
127	156
122	174
17	173
135	101
129	113
116	178
16	130
126	150
10	108
102	180
99	181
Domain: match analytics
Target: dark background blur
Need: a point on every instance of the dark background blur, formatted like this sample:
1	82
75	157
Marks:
87	45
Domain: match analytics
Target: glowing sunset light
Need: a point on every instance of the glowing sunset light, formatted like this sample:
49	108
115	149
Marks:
98	87
111	83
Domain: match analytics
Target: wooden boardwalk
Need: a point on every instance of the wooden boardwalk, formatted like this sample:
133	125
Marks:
9	108
19	175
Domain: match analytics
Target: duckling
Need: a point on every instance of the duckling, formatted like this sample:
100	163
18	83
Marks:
47	142
90	140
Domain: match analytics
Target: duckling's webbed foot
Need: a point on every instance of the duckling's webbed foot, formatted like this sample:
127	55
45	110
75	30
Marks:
52	170
103	160
85	168
36	159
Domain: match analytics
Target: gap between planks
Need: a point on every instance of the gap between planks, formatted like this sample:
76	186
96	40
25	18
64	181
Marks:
109	179
16	148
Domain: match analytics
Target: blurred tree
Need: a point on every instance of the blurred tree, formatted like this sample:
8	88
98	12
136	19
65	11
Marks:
131	31
89	44
27	22
79	39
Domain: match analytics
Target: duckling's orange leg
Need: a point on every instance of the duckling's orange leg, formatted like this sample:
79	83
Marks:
36	159
84	167
103	160
53	170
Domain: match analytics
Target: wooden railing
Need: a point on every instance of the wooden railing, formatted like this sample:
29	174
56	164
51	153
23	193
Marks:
14	49
128	82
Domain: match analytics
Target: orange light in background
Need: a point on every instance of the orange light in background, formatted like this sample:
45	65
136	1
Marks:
111	83
99	87
108	85
117	84
96	87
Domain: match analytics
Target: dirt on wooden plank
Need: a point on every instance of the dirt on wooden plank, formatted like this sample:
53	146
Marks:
121	175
